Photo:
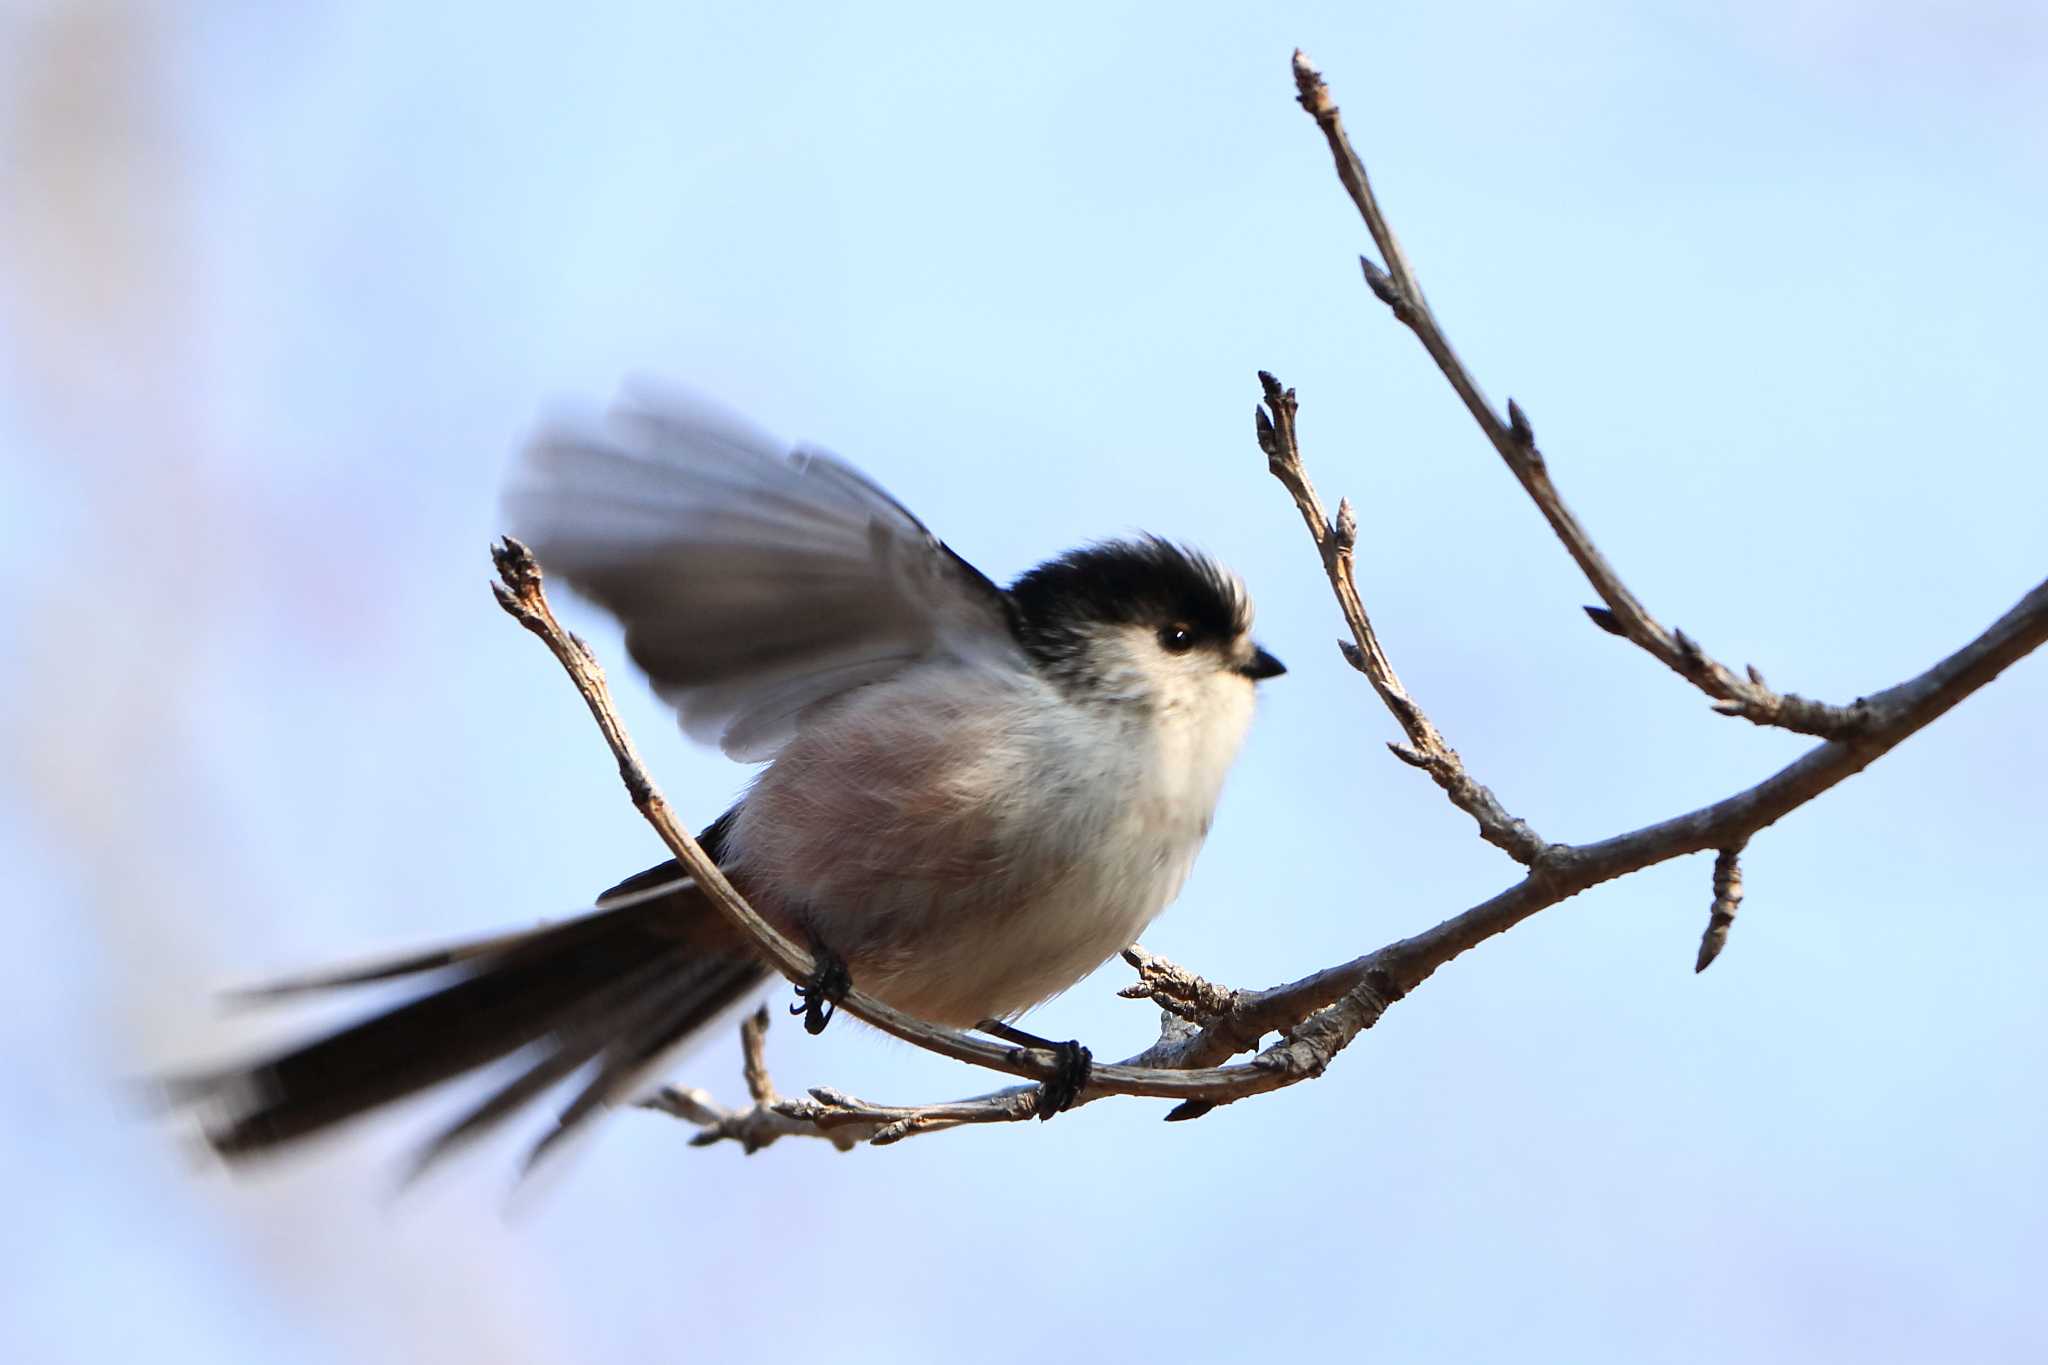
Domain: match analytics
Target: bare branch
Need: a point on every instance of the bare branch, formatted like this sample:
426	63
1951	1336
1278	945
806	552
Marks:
840	1119
761	1123
753	1033
1426	748
1204	1025
755	1127
1515	439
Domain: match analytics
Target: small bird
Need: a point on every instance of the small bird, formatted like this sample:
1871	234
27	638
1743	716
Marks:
973	794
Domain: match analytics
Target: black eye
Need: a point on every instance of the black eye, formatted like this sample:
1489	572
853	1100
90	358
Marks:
1176	638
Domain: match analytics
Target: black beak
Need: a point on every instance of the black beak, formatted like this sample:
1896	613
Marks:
1261	666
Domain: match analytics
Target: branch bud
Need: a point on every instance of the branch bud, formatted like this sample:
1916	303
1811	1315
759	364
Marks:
1380	282
1518	425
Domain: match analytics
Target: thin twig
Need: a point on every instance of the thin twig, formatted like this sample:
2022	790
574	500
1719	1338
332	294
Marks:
753	1034
762	1122
1336	540
1204	1024
1396	286
753	1128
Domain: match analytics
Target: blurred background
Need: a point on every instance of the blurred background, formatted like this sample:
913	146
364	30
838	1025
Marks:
282	287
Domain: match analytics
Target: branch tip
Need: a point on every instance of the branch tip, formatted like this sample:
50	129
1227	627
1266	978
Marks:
1278	396
1727	900
516	566
1336	538
753	1030
1308	82
1514	440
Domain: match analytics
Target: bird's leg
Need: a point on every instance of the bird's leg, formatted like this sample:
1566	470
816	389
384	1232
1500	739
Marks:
819	997
1064	1086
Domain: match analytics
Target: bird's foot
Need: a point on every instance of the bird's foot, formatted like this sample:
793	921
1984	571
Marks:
1075	1064
818	998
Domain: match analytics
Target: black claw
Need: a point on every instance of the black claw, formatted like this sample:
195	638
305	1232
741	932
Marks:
1076	1064
1058	1093
818	999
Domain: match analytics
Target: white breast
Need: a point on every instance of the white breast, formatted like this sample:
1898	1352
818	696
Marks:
972	842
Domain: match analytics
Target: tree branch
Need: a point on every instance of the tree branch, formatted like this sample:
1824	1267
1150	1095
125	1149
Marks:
1396	286
1201	1024
1426	748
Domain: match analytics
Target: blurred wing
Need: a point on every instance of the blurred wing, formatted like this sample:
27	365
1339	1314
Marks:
753	581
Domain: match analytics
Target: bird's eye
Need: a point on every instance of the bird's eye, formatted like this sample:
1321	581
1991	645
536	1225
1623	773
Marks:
1176	638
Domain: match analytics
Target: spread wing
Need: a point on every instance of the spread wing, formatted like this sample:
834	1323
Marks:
754	581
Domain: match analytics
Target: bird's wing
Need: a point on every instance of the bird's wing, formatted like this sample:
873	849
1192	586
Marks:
754	581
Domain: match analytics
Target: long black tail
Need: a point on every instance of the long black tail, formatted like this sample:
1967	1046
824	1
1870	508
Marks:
611	991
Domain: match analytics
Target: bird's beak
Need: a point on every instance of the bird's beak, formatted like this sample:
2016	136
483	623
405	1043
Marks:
1261	666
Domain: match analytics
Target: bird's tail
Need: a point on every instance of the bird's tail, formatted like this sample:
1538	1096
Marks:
610	992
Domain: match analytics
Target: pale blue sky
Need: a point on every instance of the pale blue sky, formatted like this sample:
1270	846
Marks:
281	287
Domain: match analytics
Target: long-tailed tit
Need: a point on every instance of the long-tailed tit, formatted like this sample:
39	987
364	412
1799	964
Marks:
973	795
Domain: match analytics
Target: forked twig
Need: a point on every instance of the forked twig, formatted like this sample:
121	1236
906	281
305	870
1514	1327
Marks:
1396	286
1336	540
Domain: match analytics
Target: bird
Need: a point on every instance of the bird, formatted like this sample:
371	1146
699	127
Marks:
970	795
